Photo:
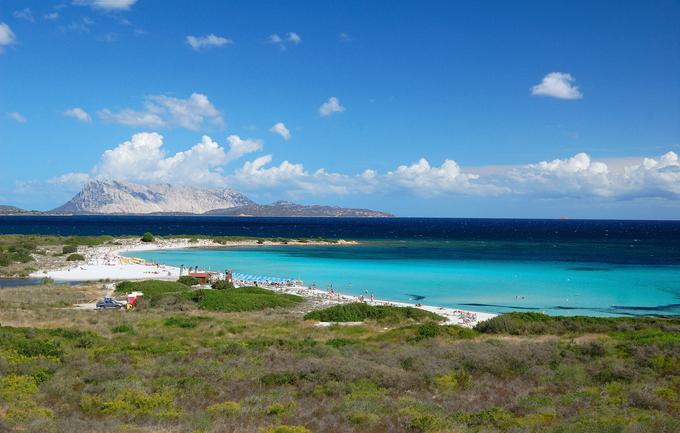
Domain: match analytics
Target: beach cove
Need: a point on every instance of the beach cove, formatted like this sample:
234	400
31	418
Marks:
124	262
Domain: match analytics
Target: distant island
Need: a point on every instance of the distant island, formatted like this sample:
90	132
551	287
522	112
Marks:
113	197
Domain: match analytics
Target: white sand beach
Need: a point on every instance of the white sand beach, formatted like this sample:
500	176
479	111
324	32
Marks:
108	263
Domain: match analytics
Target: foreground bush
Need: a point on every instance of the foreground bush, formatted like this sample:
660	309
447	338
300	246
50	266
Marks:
75	258
242	299
151	288
147	237
358	312
538	323
188	280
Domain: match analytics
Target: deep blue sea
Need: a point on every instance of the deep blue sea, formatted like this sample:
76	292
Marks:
496	265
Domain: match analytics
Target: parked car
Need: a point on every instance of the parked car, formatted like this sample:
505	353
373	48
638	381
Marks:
110	303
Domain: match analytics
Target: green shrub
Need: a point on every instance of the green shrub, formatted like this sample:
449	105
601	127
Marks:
184	321
358	312
133	403
538	323
425	424
222	285
448	383
75	258
242	299
69	249
188	280
148	237
151	288
32	347
340	342
224	409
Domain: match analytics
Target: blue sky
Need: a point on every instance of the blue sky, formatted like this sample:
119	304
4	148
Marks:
542	109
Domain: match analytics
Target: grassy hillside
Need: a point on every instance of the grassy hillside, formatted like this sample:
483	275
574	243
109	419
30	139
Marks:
185	368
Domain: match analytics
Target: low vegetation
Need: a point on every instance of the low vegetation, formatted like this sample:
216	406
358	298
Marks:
176	295
188	280
148	237
359	311
195	369
538	324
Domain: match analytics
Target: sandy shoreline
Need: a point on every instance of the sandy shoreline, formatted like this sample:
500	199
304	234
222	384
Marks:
108	263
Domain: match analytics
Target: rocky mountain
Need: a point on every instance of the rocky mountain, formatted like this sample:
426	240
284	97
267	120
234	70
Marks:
115	197
286	209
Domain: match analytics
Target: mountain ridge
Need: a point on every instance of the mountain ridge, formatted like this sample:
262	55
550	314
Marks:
114	197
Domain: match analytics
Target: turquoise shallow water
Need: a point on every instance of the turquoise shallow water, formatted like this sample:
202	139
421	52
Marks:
467	276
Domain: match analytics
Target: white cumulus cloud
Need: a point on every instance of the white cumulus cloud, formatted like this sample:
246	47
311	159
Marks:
143	159
427	180
199	42
557	85
79	114
293	38
7	36
106	5
331	106
280	129
17	117
165	111
51	16
239	146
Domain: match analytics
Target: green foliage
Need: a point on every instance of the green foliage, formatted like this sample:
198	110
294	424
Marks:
340	342
538	323
69	249
358	312
75	258
425	423
224	409
453	381
242	299
188	280
133	403
184	321
148	237
494	417
151	288
222	285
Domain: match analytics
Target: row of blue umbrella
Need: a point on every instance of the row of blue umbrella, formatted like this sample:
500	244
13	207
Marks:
258	278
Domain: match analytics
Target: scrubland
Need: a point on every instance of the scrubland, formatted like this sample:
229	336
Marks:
248	361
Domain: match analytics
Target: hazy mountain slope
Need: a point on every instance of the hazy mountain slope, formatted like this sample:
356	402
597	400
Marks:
114	197
283	208
5	210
